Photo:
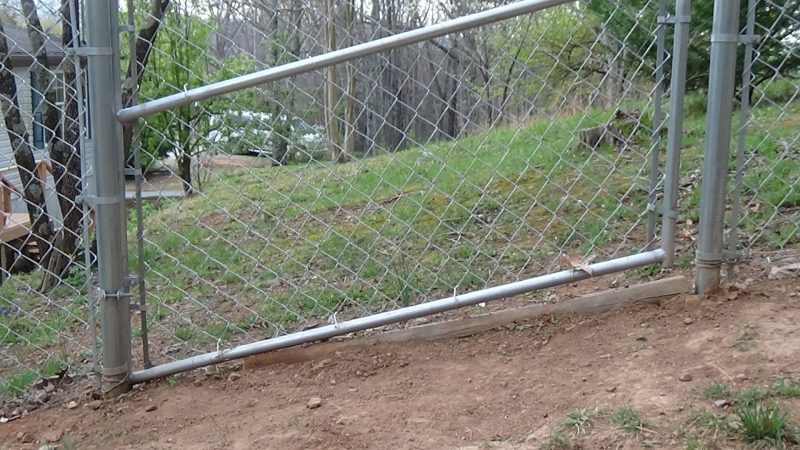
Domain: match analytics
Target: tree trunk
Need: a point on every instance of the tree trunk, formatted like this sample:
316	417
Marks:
64	147
185	171
145	40
33	189
331	88
350	100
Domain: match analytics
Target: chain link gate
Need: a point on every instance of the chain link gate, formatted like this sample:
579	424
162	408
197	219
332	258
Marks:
457	171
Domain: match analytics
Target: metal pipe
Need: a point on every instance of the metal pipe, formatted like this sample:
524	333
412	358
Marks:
137	162
744	117
721	80
655	137
672	173
109	199
400	315
335	57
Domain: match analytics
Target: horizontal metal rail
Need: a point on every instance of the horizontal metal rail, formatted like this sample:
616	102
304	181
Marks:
401	315
335	57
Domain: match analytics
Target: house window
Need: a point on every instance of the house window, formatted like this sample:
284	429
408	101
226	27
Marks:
40	133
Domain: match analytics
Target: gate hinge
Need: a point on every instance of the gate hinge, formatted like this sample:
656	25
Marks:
101	294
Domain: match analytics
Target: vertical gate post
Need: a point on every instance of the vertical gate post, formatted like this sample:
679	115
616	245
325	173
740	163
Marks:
719	116
680	52
109	201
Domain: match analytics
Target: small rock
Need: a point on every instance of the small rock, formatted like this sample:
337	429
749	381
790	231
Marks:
151	408
685	377
740	378
688	321
314	403
53	436
72	405
722	403
25	437
333	382
611	389
234	376
94	404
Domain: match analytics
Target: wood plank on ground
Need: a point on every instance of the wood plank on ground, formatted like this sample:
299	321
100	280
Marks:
596	302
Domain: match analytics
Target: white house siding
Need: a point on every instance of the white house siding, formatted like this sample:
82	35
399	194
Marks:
23	79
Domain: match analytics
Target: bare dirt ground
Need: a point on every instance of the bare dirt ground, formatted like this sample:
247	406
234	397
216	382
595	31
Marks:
508	388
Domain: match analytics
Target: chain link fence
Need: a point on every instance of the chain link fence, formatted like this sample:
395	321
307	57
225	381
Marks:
46	313
484	157
764	216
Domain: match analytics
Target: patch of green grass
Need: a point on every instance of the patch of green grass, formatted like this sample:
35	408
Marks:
648	271
694	443
750	397
579	421
184	333
746	341
785	386
628	420
67	443
16	384
712	422
765	424
717	390
556	442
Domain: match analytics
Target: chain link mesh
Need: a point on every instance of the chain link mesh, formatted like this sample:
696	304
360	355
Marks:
767	174
47	324
485	157
464	162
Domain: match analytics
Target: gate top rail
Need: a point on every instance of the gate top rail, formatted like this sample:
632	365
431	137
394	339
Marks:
335	57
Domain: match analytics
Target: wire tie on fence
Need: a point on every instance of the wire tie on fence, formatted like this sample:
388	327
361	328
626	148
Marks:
725	38
90	51
651	207
95	200
670	214
455	297
672	20
750	38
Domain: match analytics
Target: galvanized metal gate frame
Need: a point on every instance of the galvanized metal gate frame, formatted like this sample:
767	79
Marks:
109	200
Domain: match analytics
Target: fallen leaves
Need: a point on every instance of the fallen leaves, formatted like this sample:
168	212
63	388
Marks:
574	261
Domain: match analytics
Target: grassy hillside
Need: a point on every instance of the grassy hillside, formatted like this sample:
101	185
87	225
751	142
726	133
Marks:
262	251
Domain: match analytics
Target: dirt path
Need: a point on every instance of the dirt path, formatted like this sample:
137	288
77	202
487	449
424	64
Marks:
509	388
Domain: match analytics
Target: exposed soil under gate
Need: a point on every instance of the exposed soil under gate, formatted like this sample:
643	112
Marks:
509	388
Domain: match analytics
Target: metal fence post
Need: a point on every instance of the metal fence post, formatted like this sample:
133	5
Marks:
680	50
109	200
719	116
